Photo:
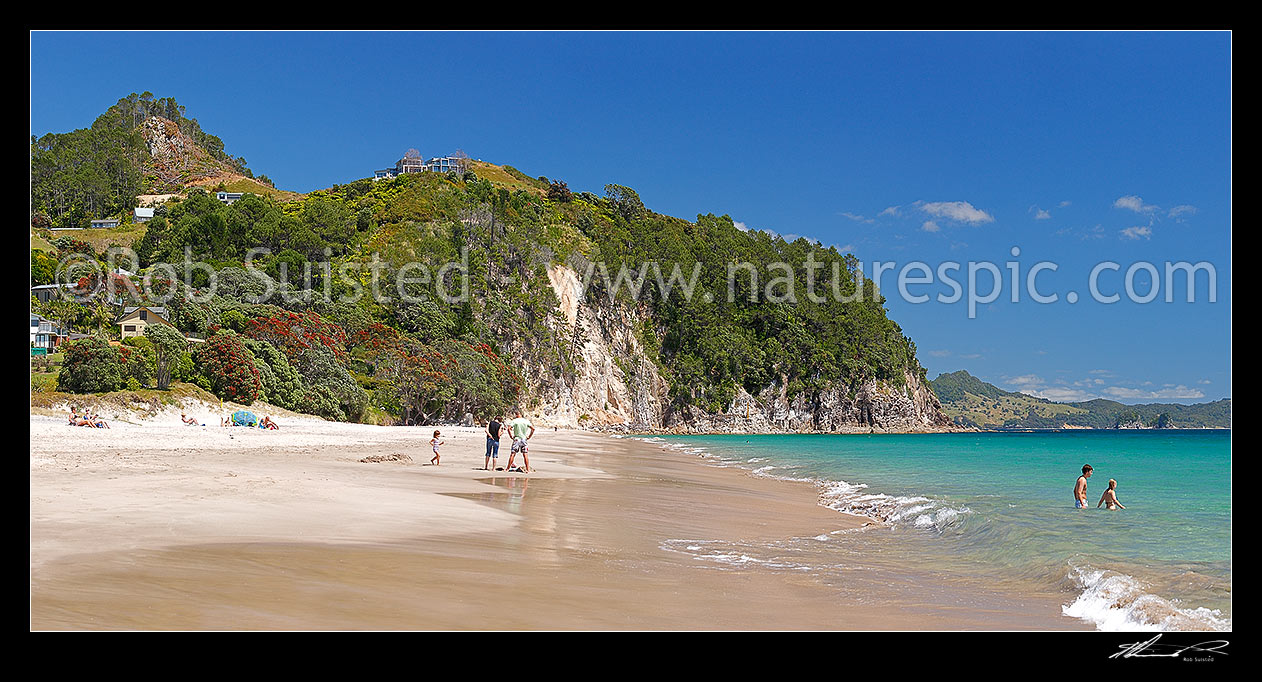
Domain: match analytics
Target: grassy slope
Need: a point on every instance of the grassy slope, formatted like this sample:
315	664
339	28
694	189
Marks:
993	412
123	235
504	177
239	183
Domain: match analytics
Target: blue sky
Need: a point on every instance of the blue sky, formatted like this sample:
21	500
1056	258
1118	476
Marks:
899	147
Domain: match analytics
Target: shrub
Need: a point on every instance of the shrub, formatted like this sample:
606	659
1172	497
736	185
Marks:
559	191
91	365
138	362
282	385
331	392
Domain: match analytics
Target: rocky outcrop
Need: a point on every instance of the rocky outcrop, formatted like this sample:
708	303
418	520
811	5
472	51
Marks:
870	407
175	159
612	381
614	385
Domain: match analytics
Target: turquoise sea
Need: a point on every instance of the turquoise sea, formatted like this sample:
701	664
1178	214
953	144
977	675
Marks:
999	506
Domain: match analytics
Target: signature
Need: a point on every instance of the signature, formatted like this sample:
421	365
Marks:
1154	650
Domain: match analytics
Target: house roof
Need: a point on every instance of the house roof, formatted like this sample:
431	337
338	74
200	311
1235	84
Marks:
144	213
156	310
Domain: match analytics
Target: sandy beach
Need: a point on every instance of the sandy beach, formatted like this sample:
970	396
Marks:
161	526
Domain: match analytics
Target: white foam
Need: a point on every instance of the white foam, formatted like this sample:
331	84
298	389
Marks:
1115	601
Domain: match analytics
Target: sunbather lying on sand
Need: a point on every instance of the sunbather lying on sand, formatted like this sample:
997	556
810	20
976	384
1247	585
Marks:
76	420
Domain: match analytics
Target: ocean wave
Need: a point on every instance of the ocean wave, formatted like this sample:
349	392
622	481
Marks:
1115	601
726	555
895	510
914	510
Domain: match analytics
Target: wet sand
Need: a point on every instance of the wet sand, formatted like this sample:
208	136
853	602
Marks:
155	528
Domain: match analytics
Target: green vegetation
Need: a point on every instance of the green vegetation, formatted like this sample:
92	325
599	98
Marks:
315	346
969	401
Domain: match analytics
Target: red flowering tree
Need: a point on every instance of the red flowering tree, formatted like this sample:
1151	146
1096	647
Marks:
418	376
229	368
294	333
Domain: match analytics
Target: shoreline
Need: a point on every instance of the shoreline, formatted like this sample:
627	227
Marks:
239	529
871	432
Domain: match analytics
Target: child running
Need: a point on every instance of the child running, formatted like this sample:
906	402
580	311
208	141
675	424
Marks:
434	443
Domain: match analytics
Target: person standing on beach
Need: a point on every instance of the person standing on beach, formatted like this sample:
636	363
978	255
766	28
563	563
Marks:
1110	497
493	428
519	427
1080	487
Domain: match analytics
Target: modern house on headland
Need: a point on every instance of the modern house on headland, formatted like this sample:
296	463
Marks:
105	223
143	215
413	163
228	197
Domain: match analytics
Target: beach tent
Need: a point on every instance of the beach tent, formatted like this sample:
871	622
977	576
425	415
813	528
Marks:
244	418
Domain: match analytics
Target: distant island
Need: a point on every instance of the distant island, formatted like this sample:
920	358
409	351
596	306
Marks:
971	402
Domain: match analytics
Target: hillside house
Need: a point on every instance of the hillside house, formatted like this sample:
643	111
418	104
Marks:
105	223
136	318
228	197
47	292
143	215
45	333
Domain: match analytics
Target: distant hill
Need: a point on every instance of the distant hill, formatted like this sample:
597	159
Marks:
969	401
142	145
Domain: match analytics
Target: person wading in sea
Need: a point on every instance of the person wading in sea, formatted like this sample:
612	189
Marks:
1080	487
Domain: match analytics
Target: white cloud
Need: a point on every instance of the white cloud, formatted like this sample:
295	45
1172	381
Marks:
1064	204
971	356
1060	395
1042	215
1173	392
1131	202
1137	232
857	218
959	211
741	226
1179	212
1091	388
889	211
848	248
1026	380
940	353
1204	382
930	226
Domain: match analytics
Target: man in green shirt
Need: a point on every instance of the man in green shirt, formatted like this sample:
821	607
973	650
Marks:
522	430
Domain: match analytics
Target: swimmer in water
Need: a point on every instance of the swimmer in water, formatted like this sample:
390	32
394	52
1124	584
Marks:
1110	497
